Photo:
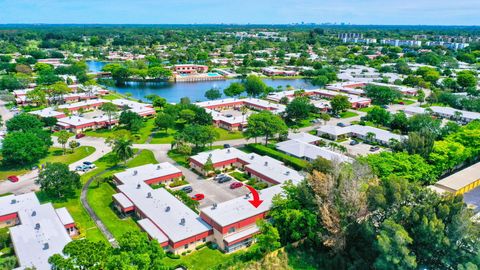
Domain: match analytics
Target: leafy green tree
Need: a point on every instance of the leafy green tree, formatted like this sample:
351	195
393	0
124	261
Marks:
234	89
446	155
197	135
164	121
62	138
208	166
266	124
393	245
157	101
466	79
110	109
399	122
381	95
213	93
82	254
379	115
268	239
320	81
22	148
254	86
299	109
421	96
23	122
73	144
131	120
401	164
57	181
340	103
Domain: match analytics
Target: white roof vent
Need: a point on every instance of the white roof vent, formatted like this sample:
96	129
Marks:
167	209
252	157
247	196
14	201
228	150
149	195
135	172
214	206
34	213
182	221
287	172
46	246
159	167
266	163
37	226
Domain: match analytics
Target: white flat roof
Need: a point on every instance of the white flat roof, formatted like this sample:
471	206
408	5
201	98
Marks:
238	209
47	112
380	134
146	172
123	200
165	211
82	103
152	230
461	179
74	120
255	102
303	137
41	232
64	216
239	235
302	149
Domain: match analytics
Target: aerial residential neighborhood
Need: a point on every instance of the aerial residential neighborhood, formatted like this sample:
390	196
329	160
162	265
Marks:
180	135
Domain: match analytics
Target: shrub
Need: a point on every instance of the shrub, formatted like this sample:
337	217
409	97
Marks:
296	163
173	256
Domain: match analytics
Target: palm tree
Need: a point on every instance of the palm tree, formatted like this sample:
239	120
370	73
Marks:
122	147
457	115
109	108
370	136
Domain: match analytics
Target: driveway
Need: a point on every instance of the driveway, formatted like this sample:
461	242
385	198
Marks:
27	181
4	112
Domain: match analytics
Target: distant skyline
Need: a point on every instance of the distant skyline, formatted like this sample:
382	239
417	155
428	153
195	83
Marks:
380	12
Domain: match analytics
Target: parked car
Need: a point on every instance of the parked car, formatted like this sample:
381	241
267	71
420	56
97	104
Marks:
187	189
401	103
198	197
341	124
384	106
224	179
354	142
236	185
226	145
79	135
82	168
13	178
89	164
374	148
219	176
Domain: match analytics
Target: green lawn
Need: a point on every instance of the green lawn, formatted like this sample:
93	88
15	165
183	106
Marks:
139	137
203	259
366	109
54	155
347	114
226	135
100	198
112	96
162	137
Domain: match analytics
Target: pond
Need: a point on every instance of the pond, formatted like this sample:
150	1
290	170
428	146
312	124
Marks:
172	91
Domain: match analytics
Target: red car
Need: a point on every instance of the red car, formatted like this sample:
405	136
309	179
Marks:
198	197
13	178
79	135
236	185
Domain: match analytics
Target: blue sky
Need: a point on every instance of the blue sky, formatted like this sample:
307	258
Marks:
428	12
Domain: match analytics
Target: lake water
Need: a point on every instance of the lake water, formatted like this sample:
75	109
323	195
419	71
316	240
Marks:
194	90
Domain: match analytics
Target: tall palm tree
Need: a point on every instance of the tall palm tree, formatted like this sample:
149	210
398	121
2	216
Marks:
370	136
122	147
109	109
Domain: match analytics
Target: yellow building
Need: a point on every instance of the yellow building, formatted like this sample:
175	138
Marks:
462	181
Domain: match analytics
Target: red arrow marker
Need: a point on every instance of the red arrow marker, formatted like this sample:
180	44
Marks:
256	198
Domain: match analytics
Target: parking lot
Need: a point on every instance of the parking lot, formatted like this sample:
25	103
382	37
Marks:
360	149
214	192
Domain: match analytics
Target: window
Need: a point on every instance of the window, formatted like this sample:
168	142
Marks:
186	246
231	230
204	239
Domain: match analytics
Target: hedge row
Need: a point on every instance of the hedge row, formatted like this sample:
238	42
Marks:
296	163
